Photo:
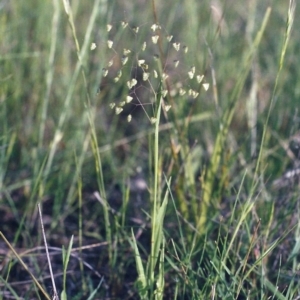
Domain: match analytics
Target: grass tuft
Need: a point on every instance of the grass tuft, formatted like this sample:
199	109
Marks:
162	138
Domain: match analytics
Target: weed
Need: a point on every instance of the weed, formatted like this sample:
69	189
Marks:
153	136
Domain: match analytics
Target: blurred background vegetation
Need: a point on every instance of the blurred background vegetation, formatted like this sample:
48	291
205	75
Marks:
51	91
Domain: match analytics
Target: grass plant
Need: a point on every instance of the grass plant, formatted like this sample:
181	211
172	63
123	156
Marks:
152	135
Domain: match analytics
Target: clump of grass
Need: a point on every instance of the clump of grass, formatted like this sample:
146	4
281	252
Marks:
141	92
214	166
145	68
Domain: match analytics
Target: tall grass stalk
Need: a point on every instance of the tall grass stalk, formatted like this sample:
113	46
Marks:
80	221
155	226
208	187
150	283
81	53
252	103
91	134
100	181
50	69
55	297
289	25
259	166
178	134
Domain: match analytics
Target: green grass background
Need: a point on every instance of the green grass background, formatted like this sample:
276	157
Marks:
225	236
